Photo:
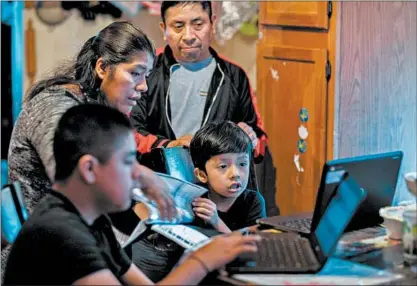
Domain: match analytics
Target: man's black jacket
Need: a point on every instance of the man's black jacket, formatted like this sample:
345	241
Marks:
229	97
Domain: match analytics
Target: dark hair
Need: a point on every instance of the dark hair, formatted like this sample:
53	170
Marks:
117	43
87	129
168	4
216	138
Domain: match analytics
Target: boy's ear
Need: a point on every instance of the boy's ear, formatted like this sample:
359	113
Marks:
201	175
86	167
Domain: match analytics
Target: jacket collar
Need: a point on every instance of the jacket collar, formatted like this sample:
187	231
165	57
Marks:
169	60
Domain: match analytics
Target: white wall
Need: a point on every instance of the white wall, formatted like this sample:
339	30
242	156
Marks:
55	44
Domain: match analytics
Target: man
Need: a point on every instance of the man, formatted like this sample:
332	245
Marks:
191	84
68	239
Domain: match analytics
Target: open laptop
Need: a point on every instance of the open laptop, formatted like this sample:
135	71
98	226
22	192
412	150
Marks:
291	253
377	174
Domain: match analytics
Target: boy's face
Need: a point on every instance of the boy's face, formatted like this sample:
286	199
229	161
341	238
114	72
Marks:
226	174
116	178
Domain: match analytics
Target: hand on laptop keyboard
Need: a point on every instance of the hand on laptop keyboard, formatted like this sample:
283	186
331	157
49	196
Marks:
225	248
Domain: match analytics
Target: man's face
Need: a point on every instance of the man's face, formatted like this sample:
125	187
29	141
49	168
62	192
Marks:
188	31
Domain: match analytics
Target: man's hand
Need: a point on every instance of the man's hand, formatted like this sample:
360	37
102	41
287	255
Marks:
207	210
157	190
182	141
249	130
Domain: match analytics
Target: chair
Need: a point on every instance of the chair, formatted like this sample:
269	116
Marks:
13	212
175	162
266	178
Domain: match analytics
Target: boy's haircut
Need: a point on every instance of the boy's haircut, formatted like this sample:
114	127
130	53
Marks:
216	138
87	129
168	4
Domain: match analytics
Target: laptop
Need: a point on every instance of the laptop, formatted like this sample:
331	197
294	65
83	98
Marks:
292	253
377	174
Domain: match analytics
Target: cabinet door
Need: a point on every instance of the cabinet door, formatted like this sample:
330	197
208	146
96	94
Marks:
291	80
298	14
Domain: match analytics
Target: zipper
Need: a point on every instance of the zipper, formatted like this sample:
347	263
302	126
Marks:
214	97
167	97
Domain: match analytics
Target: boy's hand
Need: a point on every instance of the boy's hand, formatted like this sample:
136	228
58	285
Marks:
225	248
207	210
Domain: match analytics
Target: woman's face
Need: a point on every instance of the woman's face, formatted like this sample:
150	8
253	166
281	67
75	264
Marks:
124	84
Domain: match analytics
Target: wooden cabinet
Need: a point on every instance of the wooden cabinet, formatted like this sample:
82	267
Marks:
293	67
375	109
296	14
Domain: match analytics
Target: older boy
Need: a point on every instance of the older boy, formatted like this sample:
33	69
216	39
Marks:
68	239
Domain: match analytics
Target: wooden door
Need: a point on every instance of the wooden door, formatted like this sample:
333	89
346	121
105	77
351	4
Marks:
294	59
292	81
296	14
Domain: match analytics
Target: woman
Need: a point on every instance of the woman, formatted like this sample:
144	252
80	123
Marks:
110	69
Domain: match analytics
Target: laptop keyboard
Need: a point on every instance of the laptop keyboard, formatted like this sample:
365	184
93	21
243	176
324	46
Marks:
284	252
302	224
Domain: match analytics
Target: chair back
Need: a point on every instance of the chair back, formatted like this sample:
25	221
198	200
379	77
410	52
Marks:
13	211
175	161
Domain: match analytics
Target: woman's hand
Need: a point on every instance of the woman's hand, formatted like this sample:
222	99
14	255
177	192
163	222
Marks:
156	189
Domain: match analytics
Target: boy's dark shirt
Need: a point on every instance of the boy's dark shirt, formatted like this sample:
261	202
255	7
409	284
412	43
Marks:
247	208
56	246
157	255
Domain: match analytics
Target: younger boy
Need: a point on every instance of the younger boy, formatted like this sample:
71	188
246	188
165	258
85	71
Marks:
68	239
222	153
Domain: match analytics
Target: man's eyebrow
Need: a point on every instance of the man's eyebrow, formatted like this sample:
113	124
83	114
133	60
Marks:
176	21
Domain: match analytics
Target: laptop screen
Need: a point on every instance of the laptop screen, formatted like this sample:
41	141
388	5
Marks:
337	215
377	174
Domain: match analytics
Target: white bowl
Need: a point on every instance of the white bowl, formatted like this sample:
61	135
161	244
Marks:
393	219
411	181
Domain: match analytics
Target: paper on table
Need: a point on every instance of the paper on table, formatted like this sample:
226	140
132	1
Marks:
303	279
335	272
185	236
